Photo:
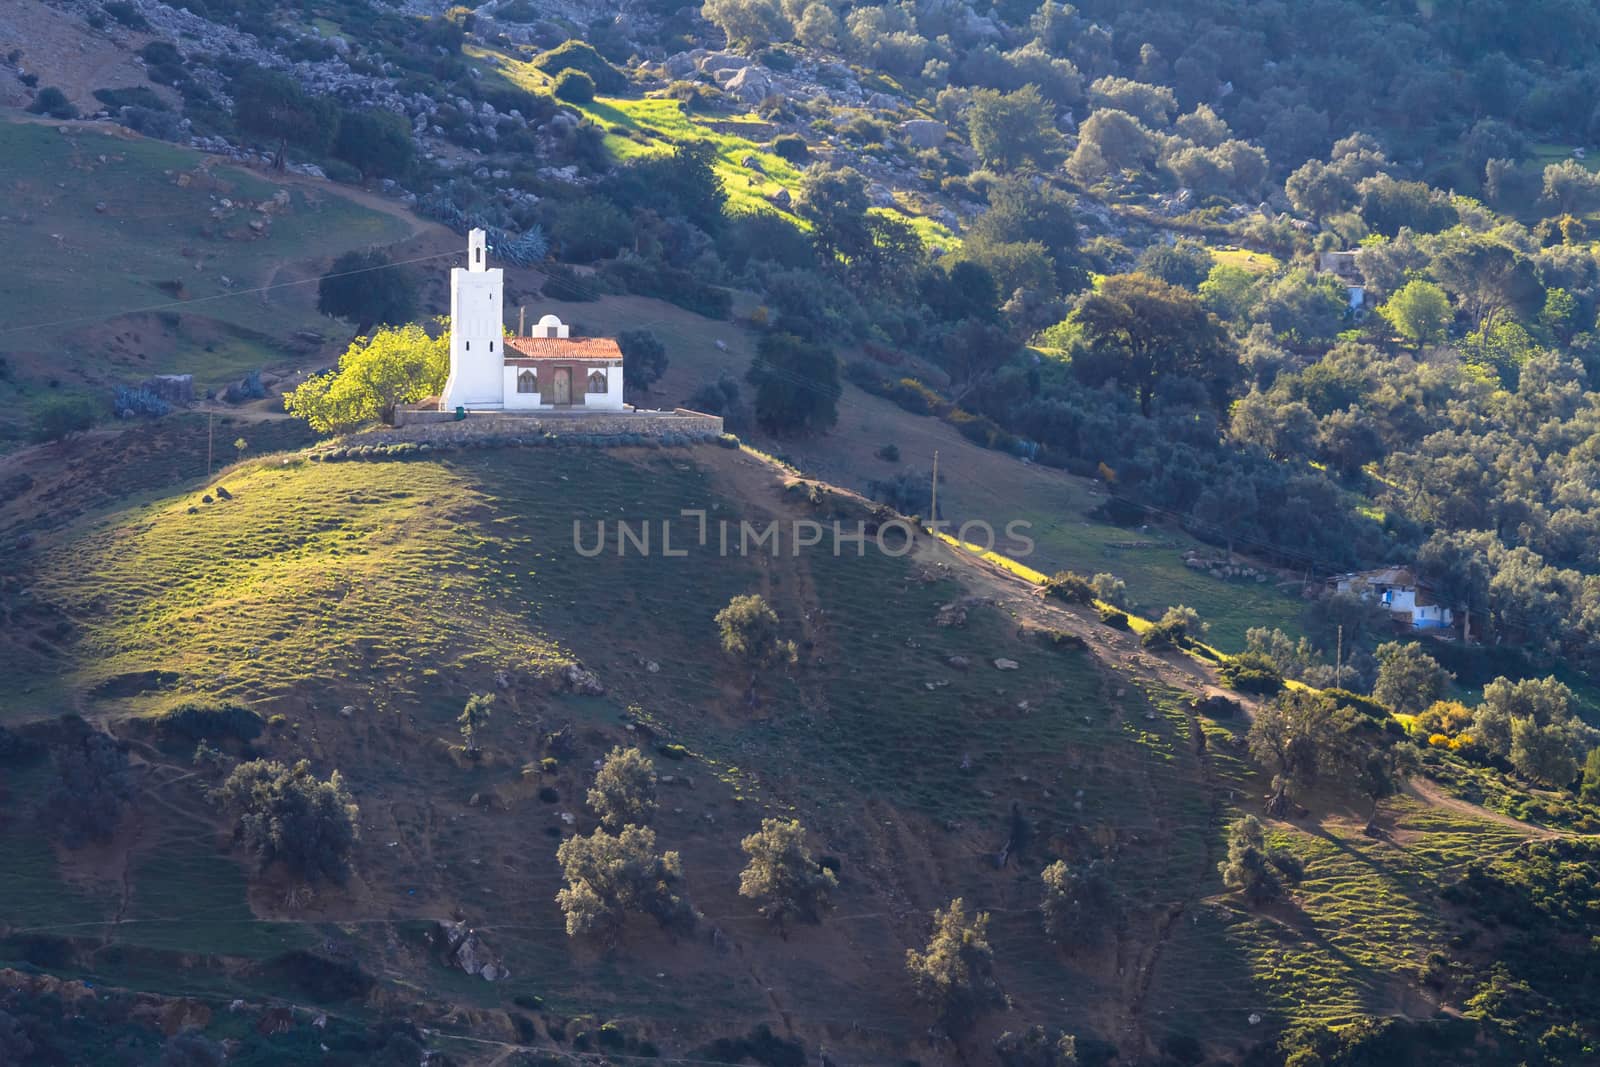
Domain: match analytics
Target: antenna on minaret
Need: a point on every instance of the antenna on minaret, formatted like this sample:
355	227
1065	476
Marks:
522	321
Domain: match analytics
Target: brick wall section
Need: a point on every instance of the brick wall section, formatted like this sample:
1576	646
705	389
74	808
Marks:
442	427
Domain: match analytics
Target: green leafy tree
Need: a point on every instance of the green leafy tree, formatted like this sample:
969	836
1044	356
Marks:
644	358
1543	753
624	789
273	106
1036	1047
1571	187
1420	312
783	876
1079	904
834	200
750	633
1143	330
1589	791
797	385
1408	678
92	788
367	289
1011	129
374	377
1288	736
955	974
473	718
1488	279
749	24
377	143
60	418
289	815
608	876
1250	868
1153	105
1318	190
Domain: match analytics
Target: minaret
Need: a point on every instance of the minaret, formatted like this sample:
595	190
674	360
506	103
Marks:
477	362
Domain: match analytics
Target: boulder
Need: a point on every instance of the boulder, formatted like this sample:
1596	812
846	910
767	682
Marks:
923	133
1006	664
751	85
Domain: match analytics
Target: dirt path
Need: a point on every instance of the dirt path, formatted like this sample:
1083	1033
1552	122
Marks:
1429	792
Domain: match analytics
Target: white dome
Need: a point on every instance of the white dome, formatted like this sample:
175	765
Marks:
550	320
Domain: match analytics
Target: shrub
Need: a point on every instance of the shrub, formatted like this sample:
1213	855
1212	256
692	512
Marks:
575	87
61	418
124	12
1073	588
580	57
889	453
792	147
53	102
1251	672
1109	588
1117	620
196	720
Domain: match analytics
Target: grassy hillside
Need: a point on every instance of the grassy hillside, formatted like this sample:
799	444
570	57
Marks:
391	589
142	258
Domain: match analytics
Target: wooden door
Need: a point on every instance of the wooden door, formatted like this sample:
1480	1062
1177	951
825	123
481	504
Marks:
563	386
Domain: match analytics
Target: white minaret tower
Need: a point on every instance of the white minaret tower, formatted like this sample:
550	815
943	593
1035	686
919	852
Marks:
477	358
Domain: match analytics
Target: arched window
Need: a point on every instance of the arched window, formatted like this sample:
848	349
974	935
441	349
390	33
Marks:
491	346
597	382
527	382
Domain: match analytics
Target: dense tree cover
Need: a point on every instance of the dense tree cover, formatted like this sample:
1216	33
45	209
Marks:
288	815
374	377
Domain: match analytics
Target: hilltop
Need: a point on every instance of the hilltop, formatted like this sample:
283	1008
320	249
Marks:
356	605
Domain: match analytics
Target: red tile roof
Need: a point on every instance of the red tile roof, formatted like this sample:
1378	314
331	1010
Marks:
562	348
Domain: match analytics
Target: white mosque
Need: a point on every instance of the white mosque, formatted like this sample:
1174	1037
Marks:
547	370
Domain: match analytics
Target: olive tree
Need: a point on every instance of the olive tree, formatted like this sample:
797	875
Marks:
782	875
624	788
289	815
955	973
609	876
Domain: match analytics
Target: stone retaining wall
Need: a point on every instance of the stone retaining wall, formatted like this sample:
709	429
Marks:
442	427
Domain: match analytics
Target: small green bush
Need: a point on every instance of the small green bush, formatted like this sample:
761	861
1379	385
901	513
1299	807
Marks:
53	102
792	147
1073	588
889	453
1117	620
1251	672
577	55
196	720
575	87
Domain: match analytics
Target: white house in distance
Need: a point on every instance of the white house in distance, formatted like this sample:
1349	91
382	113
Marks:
547	370
1397	589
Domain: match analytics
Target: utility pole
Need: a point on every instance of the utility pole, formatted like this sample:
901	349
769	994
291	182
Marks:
211	417
1338	662
522	321
933	508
